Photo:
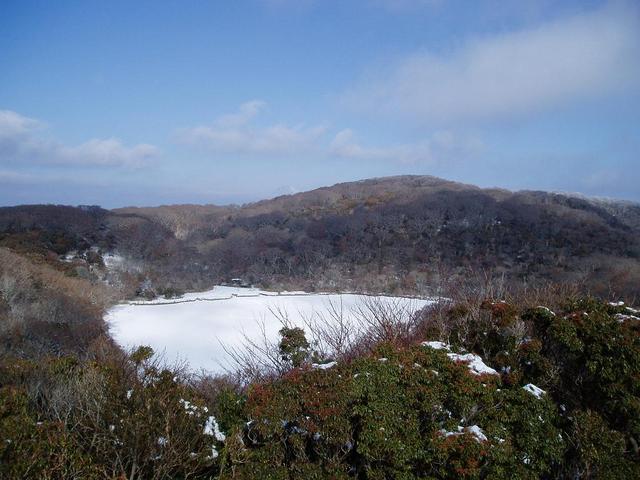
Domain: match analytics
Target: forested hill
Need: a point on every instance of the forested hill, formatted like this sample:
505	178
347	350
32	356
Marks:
406	233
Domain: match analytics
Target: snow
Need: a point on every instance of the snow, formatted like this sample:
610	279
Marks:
616	304
69	256
476	365
478	433
546	309
436	345
620	317
474	430
217	293
214	453
189	407
211	428
113	260
323	366
194	327
223	292
533	390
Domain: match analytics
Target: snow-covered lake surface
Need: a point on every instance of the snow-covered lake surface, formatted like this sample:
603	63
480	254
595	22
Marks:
194	327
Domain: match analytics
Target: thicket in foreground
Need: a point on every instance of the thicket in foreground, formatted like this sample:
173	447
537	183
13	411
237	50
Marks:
486	391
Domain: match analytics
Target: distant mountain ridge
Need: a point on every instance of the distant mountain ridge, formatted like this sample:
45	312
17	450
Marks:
407	186
404	233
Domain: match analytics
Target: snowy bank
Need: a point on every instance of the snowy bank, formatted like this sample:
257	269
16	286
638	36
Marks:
196	327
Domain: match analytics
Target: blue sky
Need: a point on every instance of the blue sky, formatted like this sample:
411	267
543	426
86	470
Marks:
144	103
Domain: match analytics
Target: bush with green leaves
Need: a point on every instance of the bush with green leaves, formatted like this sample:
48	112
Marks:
294	347
125	417
558	396
586	355
398	413
593	348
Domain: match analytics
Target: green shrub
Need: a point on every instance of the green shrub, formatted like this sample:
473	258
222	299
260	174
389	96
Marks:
294	347
390	411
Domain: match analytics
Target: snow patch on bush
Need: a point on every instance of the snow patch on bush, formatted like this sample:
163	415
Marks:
474	430
475	363
621	317
436	345
212	429
546	309
533	390
324	366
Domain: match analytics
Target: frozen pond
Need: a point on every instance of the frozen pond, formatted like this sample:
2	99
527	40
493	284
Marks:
195	328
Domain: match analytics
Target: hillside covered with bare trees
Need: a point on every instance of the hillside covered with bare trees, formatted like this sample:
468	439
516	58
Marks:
402	234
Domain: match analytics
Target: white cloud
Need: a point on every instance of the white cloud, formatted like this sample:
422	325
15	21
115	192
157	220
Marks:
14	125
234	133
105	152
442	146
8	176
247	112
22	141
584	56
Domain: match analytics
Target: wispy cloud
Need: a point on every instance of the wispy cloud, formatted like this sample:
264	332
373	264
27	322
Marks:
247	112
23	140
11	177
583	56
108	152
235	133
14	126
440	147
